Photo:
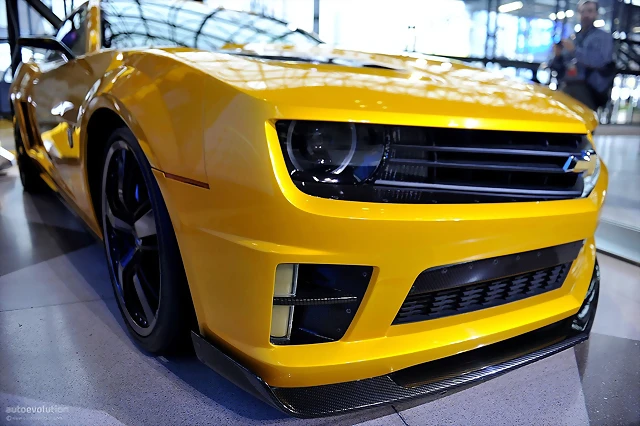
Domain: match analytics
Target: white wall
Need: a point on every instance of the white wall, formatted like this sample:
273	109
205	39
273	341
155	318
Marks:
441	26
299	13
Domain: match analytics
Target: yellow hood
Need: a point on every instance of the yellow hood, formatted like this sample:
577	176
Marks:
377	87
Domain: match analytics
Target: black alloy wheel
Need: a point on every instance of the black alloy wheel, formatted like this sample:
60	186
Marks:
142	253
131	238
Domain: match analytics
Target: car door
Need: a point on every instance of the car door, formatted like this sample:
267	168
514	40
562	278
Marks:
57	95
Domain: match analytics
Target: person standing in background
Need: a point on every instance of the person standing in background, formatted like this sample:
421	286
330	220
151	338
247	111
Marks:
584	61
557	62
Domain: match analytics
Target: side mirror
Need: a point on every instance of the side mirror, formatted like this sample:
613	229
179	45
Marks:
47	43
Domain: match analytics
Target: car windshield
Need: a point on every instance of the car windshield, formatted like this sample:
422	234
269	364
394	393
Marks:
135	24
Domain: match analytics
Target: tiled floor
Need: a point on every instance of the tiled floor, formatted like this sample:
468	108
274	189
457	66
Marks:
62	342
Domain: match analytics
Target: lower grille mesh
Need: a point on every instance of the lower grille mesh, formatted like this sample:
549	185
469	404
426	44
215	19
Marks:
480	296
468	287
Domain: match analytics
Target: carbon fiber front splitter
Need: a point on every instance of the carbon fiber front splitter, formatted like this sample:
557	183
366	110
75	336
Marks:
421	382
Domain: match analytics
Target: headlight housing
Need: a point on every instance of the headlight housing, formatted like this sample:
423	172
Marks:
331	152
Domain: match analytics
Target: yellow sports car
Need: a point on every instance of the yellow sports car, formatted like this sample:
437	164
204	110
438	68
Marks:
333	230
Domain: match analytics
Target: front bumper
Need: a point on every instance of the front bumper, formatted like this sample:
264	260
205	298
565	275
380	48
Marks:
231	252
426	381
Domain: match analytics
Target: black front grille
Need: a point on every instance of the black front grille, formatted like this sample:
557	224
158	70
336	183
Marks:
503	164
467	287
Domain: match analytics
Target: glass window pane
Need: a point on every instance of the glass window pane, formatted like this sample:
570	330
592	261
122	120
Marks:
191	24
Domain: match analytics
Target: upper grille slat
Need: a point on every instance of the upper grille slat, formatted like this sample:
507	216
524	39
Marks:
482	165
523	150
488	190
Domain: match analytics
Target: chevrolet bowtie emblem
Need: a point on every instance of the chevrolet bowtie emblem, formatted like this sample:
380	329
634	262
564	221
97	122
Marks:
585	163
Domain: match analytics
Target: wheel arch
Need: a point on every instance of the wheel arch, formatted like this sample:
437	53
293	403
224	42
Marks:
141	93
106	115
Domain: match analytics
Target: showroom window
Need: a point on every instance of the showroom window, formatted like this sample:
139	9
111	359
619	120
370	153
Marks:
157	24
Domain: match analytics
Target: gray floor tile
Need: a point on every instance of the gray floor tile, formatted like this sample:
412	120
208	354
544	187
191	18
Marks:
610	372
78	355
35	228
33	243
44	412
20	208
389	420
545	393
79	276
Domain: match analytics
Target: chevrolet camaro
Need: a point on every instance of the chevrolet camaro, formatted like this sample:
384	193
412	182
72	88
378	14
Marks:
330	229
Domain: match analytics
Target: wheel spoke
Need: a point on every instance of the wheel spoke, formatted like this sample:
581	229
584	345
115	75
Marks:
148	312
145	226
146	284
121	177
124	264
142	210
148	244
117	223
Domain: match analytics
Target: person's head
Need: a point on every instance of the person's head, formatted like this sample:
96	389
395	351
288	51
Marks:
588	12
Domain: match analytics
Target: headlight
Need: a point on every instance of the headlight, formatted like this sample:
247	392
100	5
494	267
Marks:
591	180
334	153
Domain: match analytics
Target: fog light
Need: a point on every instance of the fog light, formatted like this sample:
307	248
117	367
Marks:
325	298
285	286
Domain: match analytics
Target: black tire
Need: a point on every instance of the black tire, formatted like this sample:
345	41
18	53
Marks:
29	171
161	322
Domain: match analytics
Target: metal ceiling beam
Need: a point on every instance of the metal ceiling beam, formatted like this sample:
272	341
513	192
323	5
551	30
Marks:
45	12
316	16
13	24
